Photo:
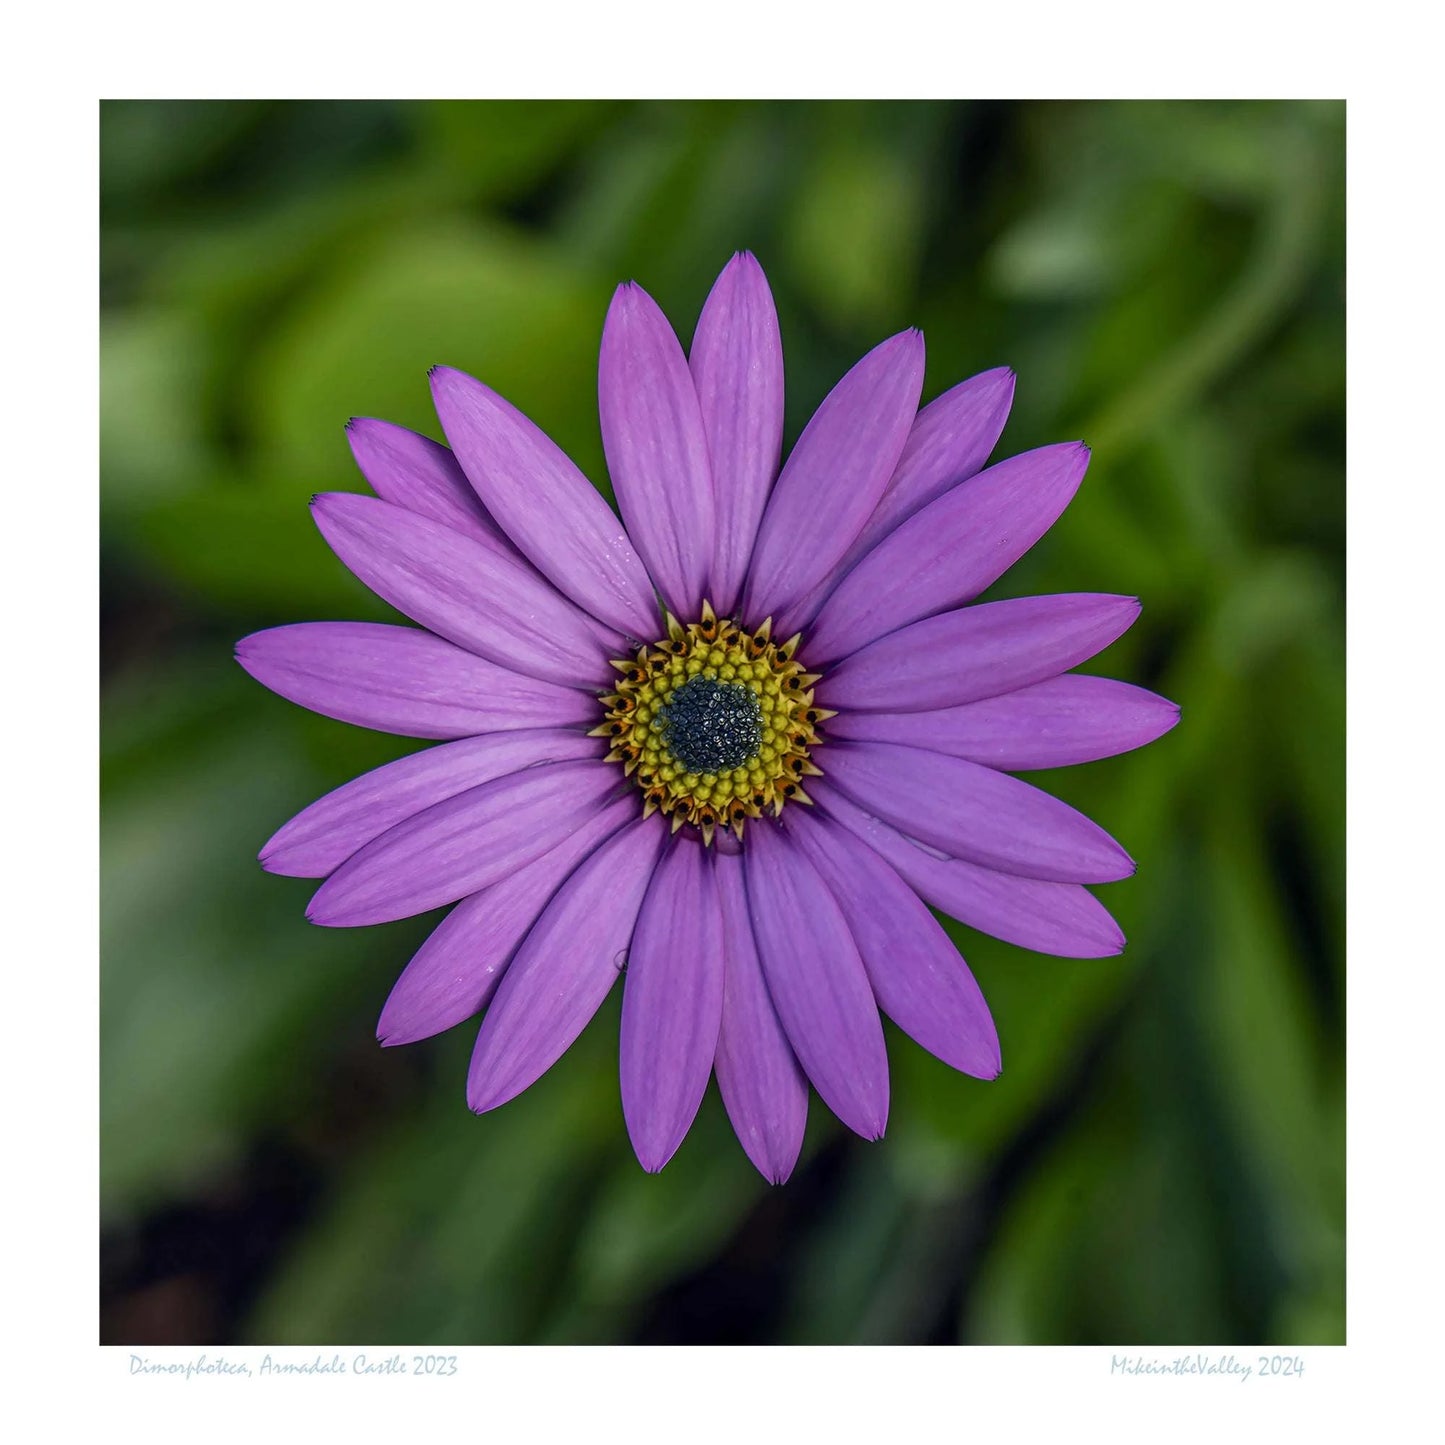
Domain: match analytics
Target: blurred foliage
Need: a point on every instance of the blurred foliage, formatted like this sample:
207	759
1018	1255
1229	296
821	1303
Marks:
1162	1158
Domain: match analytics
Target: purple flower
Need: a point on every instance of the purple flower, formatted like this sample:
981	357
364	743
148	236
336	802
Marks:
731	746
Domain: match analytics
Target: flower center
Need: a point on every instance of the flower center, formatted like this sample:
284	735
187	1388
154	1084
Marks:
711	727
714	723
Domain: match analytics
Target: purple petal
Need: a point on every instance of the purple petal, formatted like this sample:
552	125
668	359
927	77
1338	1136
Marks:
918	978
762	1087
556	518
566	966
977	652
737	367
459	967
652	433
1058	918
835	475
421	475
973	812
1053	724
816	980
950	440
401	680
462	844
481	599
323	836
671	1002
949	551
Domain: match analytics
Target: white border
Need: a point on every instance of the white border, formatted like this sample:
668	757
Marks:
63	63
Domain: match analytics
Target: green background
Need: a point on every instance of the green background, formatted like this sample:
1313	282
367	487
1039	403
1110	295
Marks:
1162	1159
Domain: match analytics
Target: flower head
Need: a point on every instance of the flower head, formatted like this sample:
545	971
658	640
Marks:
731	746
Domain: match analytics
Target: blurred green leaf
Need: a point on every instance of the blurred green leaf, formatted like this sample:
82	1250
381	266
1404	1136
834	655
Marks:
151	362
499	147
645	1229
245	547
846	1256
146	145
1270	282
205	962
1109	1244
469	296
1280	1093
453	1214
852	241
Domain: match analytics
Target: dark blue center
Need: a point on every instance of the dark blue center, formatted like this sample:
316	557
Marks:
710	726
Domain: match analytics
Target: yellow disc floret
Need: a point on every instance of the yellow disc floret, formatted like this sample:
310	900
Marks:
714	723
